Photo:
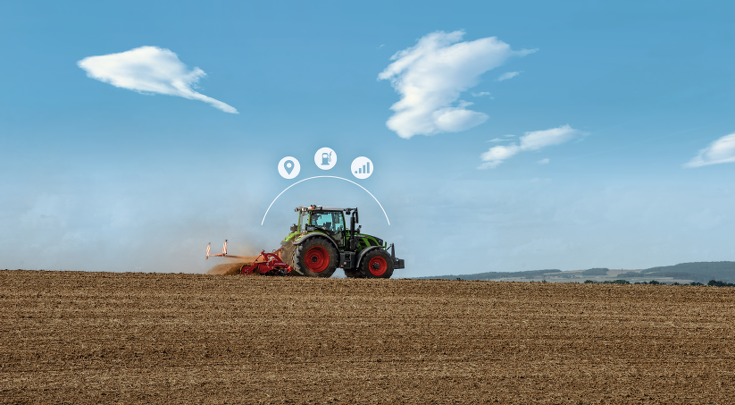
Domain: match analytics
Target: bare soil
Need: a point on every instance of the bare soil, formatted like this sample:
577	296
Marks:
74	337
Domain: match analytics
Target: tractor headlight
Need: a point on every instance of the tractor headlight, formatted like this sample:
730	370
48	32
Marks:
380	241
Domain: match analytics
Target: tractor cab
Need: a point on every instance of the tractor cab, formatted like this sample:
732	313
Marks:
331	222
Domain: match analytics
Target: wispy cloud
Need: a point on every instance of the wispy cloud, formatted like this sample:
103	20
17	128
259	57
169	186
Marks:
431	76
497	154
149	69
505	138
509	75
530	141
543	161
480	94
719	151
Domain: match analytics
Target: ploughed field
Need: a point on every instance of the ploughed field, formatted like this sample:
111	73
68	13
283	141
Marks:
175	338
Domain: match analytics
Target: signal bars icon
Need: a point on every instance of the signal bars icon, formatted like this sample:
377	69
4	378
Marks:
362	167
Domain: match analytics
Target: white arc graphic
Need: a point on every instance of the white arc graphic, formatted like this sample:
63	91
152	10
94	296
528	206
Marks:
321	177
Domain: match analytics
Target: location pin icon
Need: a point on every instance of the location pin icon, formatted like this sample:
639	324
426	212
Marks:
288	165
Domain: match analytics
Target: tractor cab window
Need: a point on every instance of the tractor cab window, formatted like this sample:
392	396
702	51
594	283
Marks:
330	221
303	221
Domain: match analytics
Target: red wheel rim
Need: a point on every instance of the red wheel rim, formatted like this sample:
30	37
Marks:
317	259
378	266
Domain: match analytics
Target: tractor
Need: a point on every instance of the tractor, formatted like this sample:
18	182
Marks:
321	242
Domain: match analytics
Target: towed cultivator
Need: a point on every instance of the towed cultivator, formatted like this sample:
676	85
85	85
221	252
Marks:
320	243
267	264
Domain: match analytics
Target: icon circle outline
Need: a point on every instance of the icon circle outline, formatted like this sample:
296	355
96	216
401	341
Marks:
283	170
362	167
325	158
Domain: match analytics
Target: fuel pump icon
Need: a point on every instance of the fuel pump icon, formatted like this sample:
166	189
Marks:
325	158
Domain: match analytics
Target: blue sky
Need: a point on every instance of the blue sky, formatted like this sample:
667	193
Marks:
531	136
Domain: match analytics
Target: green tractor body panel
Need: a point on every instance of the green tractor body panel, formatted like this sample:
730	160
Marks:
360	255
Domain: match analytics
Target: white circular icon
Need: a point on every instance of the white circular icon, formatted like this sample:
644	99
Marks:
325	158
289	167
362	167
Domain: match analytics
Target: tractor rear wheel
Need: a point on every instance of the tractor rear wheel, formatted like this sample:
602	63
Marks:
316	257
377	263
287	255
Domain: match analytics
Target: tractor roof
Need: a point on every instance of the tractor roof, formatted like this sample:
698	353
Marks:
322	208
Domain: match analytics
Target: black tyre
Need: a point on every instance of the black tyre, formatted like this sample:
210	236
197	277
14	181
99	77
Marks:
316	257
287	253
377	263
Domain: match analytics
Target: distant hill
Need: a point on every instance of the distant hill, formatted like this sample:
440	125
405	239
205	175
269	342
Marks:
698	271
682	273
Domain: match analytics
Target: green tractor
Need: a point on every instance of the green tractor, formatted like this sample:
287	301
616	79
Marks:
321	242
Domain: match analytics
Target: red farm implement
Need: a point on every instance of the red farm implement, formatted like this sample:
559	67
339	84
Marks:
268	264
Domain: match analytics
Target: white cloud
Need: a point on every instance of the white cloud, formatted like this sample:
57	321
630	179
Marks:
480	94
530	141
497	154
509	75
536	140
719	151
431	76
505	138
544	161
149	69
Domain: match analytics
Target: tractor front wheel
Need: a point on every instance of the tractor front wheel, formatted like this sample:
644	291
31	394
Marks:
377	264
316	257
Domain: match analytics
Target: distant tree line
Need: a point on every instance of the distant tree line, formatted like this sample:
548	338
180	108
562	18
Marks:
712	283
715	283
607	282
699	272
495	275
